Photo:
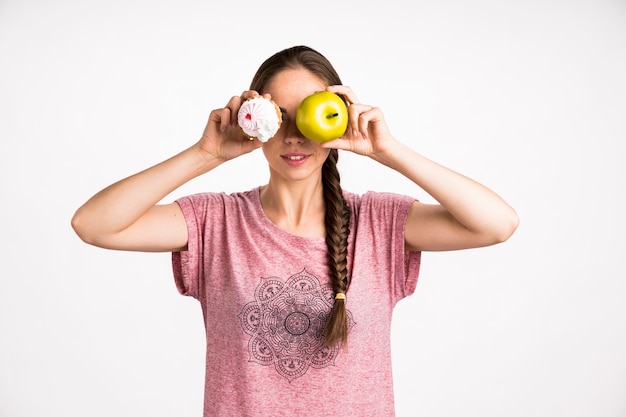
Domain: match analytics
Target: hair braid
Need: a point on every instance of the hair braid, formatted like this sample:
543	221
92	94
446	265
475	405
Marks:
337	222
337	219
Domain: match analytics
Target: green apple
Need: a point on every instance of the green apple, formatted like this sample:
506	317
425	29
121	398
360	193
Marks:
322	116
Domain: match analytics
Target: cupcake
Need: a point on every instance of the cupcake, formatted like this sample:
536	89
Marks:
259	118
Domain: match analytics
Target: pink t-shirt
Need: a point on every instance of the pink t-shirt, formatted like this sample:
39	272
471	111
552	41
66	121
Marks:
265	295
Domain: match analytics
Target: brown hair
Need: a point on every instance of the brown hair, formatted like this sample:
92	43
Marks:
337	218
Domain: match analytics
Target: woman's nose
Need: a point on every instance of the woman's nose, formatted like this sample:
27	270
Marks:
293	135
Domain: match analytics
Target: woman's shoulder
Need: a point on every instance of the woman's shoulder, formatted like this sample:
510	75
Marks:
222	197
375	198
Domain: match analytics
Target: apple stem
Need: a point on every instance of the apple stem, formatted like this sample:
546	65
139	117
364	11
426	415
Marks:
330	116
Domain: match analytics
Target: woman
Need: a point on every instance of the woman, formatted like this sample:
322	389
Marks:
297	278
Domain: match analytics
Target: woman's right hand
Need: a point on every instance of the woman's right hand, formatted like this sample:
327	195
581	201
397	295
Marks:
222	138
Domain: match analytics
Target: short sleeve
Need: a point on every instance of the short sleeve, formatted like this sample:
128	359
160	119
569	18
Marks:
188	265
383	218
409	261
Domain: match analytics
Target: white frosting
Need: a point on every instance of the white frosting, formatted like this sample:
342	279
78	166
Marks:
258	118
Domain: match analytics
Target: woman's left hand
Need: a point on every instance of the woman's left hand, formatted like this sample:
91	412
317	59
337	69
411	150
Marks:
367	133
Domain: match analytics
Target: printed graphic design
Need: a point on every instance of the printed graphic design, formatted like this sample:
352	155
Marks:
286	324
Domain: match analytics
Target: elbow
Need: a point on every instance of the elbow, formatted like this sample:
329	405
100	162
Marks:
506	228
80	225
77	224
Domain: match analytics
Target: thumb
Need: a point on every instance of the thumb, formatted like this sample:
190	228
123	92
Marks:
251	145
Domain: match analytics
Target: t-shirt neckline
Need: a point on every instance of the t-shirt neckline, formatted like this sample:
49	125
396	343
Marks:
273	227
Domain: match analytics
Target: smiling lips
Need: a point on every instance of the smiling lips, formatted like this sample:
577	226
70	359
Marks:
295	159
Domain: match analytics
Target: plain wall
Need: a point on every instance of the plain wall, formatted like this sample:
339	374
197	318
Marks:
527	97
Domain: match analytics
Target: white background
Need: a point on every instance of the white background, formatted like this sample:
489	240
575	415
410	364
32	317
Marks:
527	97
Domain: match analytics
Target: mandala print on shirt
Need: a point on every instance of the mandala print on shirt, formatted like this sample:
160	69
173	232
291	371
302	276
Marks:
286	324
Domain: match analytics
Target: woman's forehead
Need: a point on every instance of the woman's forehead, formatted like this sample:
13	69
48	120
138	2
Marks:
289	87
294	79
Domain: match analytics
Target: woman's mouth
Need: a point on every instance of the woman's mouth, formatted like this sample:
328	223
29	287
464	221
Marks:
295	159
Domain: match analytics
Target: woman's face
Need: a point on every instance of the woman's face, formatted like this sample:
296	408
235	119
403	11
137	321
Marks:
290	155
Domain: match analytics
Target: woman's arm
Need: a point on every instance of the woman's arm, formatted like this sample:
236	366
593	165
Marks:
468	214
126	216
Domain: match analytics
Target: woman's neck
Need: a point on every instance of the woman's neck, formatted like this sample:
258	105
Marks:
296	207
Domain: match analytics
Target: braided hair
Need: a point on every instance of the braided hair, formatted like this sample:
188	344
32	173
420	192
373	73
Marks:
337	216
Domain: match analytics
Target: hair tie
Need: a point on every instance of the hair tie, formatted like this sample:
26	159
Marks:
340	296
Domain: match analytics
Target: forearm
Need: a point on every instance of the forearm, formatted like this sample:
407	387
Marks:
471	204
119	205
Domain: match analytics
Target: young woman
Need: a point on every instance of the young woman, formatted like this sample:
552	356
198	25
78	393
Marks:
297	278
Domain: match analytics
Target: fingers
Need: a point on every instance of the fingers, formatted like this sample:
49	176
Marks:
345	91
359	114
